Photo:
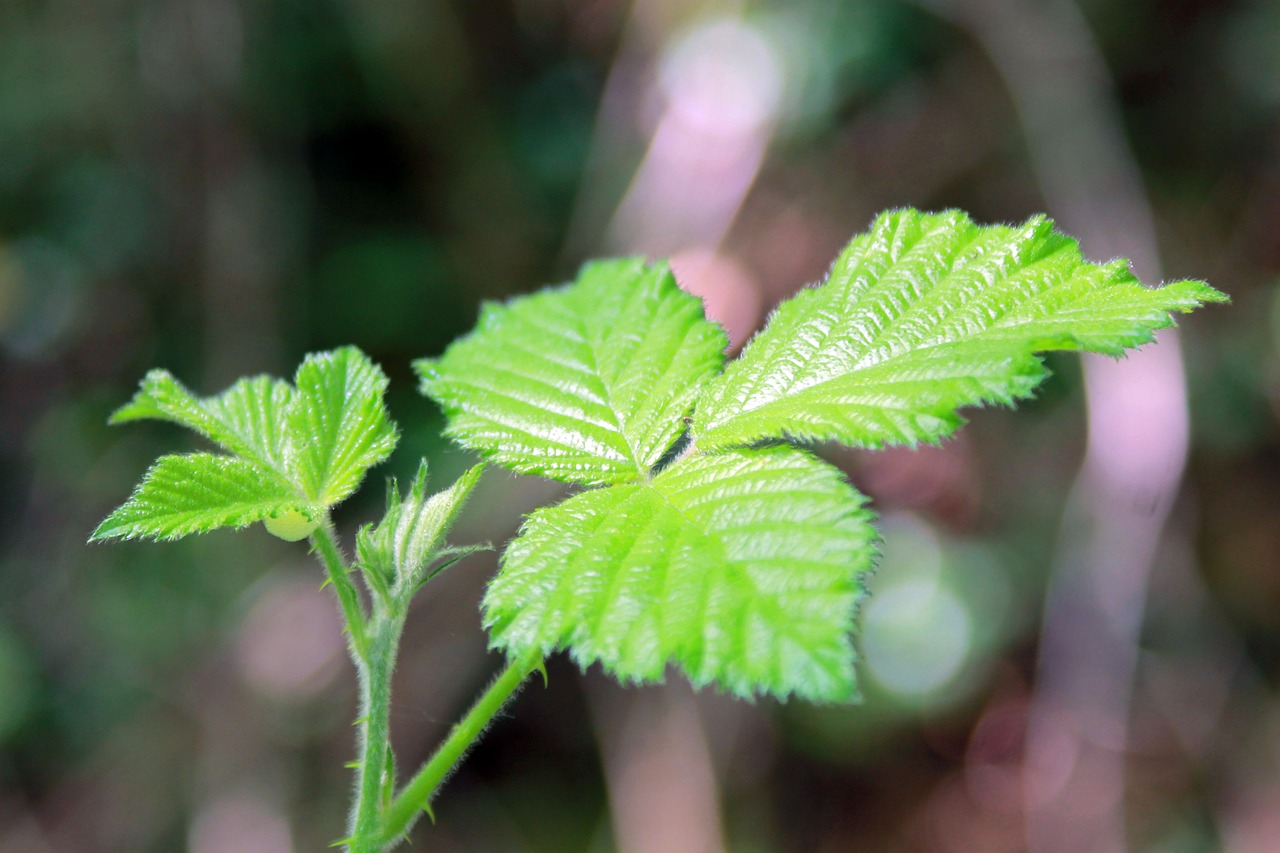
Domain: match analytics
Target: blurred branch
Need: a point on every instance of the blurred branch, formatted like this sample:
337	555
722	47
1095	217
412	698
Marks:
19	828
662	785
1137	440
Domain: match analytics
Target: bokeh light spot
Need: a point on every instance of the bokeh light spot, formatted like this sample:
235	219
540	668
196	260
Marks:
917	637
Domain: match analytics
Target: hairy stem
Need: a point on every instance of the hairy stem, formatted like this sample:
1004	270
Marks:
375	732
416	796
373	651
335	565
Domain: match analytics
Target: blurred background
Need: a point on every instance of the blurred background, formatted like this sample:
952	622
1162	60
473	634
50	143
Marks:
1074	638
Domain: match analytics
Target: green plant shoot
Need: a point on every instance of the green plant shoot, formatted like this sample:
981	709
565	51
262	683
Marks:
707	537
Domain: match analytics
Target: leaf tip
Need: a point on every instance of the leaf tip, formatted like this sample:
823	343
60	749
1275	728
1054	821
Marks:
103	532
419	490
1197	293
143	405
428	371
472	476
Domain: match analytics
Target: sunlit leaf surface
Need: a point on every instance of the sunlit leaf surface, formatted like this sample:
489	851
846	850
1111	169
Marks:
921	316
197	492
741	568
740	563
587	383
337	423
295	451
246	419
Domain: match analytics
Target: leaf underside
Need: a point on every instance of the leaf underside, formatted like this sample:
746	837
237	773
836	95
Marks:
585	383
742	568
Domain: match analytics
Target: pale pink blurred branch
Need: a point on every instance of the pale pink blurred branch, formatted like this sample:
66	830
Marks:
702	102
662	785
1137	429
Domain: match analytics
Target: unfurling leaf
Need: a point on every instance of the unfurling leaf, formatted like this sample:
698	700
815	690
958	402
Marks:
400	550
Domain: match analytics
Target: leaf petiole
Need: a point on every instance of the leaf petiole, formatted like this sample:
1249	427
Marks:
415	797
324	544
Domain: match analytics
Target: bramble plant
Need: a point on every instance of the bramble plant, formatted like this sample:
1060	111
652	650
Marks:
707	537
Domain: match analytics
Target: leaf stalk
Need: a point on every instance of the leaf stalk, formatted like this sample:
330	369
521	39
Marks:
324	543
415	797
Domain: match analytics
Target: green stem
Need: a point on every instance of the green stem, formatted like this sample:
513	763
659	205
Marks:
374	644
415	798
375	731
352	610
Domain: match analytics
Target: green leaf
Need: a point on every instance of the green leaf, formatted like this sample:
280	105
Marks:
199	492
245	419
921	316
296	451
337	423
587	383
742	568
402	547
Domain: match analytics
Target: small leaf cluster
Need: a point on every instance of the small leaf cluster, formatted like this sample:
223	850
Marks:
708	538
293	451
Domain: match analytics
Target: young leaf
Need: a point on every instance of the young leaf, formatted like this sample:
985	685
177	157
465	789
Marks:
297	452
199	492
245	419
411	535
337	423
921	316
586	383
742	568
